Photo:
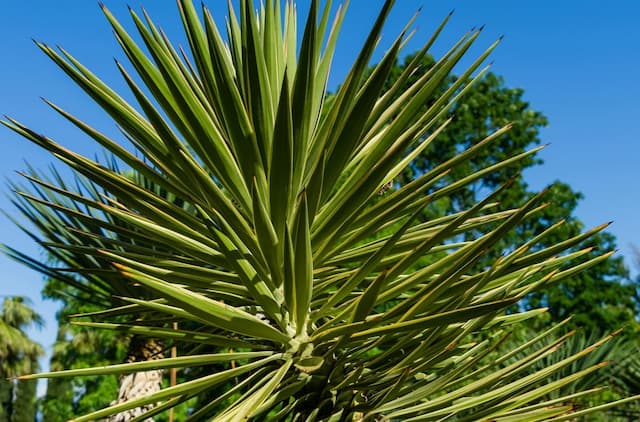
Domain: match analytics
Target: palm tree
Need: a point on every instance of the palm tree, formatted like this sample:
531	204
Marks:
18	355
303	289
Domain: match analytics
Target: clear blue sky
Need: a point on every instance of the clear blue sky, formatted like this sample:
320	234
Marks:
577	60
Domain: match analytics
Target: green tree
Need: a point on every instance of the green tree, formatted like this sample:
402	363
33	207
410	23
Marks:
18	355
57	405
600	299
276	253
76	347
24	405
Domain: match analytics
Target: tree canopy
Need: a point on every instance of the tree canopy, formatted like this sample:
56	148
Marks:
600	299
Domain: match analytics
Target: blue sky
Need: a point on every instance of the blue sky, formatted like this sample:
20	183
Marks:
576	60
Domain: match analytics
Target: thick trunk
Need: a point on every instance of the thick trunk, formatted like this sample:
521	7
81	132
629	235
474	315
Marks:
139	384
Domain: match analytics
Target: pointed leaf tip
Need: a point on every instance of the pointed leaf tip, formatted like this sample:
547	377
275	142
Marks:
452	11
119	266
618	331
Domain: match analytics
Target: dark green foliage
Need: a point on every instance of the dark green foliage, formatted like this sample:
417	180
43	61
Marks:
487	106
599	299
18	355
58	401
66	398
78	348
6	399
24	405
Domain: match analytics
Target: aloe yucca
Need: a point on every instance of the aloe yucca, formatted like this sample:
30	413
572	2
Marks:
255	220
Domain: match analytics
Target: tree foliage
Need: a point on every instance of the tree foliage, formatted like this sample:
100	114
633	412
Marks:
76	347
600	299
18	354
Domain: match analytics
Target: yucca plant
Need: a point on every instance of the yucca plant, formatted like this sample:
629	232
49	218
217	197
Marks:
259	221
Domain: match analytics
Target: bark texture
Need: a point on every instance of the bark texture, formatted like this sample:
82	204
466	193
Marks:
139	384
